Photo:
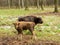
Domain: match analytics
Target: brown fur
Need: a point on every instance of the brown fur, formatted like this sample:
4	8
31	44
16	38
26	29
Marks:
22	25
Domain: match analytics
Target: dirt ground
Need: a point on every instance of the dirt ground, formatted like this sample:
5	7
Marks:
46	14
26	40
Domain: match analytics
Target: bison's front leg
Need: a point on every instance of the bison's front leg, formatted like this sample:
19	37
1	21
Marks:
20	33
33	33
31	30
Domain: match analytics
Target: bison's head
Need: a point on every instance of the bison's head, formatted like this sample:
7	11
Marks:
39	20
16	25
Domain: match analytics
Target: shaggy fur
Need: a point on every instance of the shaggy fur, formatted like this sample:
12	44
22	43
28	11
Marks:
34	19
20	26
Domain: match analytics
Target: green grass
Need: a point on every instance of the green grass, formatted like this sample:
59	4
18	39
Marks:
16	12
50	29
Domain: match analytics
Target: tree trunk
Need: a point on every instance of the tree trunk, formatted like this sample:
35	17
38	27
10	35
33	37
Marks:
22	3
56	7
42	5
26	4
38	4
8	3
19	3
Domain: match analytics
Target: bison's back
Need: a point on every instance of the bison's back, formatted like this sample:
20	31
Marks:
24	23
27	18
34	19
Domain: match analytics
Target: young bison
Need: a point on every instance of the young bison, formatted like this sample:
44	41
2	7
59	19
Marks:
22	25
34	19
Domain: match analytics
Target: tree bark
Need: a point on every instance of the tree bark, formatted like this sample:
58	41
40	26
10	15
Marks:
26	4
19	3
8	3
22	3
42	5
38	4
56	6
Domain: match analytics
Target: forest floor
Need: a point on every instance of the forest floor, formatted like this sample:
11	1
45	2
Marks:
26	40
47	34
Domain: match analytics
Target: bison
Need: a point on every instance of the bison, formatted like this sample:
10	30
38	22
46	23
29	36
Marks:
34	19
22	25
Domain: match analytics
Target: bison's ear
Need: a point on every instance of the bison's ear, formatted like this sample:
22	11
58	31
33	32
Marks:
18	24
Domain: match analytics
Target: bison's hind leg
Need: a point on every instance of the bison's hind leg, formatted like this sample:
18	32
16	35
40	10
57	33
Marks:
20	34
33	33
20	37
